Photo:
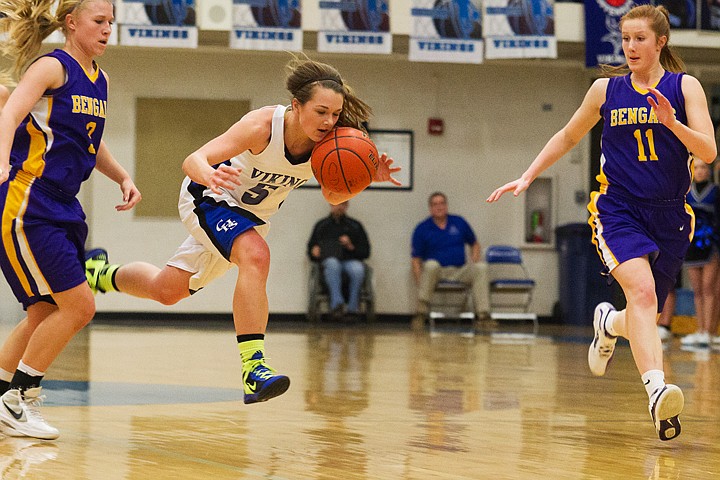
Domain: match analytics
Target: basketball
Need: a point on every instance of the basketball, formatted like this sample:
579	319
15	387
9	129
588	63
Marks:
345	161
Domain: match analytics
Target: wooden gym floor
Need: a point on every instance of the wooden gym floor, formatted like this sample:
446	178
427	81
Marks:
154	400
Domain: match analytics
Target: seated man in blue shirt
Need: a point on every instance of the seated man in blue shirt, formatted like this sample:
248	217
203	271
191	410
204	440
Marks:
438	253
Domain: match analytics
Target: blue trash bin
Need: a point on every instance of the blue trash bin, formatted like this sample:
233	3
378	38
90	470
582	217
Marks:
581	286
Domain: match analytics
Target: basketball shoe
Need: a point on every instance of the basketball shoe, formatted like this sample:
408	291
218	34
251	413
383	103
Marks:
99	272
95	260
666	403
260	382
603	345
20	415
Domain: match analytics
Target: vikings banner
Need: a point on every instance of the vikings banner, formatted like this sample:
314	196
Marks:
446	31
354	26
519	29
603	42
266	25
158	23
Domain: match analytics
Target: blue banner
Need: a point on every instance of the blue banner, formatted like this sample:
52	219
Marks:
446	31
710	15
603	41
158	23
267	25
354	26
519	29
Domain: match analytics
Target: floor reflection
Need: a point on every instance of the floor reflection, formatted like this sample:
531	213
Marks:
164	401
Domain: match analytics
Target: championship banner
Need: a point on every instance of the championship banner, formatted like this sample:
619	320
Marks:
710	15
158	23
354	26
603	41
519	29
266	25
446	31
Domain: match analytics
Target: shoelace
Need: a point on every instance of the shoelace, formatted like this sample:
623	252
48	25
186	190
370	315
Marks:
32	406
260	370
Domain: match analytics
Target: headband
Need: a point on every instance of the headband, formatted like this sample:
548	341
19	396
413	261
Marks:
339	82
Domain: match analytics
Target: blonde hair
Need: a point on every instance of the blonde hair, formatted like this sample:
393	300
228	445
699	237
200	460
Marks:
659	20
305	74
27	23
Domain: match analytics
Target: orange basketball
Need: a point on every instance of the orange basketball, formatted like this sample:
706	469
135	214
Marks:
345	161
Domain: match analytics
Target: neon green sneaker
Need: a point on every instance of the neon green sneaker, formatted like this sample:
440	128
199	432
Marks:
260	382
99	273
95	260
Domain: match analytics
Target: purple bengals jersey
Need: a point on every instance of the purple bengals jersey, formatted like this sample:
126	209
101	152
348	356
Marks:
54	151
640	156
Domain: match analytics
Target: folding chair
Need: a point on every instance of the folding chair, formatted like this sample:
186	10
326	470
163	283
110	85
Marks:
511	287
319	297
451	300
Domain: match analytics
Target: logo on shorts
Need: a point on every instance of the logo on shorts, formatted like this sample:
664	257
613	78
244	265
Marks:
225	225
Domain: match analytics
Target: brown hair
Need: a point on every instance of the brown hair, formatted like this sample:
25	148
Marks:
659	20
305	74
436	194
27	23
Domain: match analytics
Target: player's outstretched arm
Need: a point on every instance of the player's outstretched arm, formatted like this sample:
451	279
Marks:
385	171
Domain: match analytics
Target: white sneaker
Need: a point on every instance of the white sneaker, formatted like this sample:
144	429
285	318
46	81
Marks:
665	406
715	340
20	417
603	345
664	333
698	339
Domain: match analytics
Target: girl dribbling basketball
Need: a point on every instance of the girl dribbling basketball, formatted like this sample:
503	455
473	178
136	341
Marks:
226	205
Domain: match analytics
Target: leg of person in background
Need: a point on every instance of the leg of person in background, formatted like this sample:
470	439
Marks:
665	317
476	274
637	323
702	279
332	273
355	271
428	280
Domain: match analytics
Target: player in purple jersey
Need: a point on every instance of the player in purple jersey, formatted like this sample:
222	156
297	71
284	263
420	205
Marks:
50	141
654	117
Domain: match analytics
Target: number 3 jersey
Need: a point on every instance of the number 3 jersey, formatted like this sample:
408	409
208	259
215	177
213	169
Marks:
58	141
266	179
640	156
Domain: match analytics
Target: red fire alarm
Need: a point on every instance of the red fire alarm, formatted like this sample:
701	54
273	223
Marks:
436	126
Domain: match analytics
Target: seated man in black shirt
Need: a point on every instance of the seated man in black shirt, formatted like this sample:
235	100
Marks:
340	244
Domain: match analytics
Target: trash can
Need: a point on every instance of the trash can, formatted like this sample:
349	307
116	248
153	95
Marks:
581	286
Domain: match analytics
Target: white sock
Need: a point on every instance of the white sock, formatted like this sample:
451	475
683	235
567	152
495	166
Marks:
29	370
5	376
653	380
609	324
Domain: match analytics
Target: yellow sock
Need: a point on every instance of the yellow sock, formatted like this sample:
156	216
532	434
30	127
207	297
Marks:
250	348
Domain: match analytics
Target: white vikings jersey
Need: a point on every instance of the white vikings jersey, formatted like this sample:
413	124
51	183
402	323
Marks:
266	179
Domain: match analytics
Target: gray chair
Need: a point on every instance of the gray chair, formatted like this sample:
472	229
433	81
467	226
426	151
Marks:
451	301
319	298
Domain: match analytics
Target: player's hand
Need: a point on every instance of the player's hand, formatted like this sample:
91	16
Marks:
516	186
131	195
663	109
384	171
224	176
4	173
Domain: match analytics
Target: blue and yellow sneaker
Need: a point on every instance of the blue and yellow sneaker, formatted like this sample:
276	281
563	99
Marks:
99	273
260	382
